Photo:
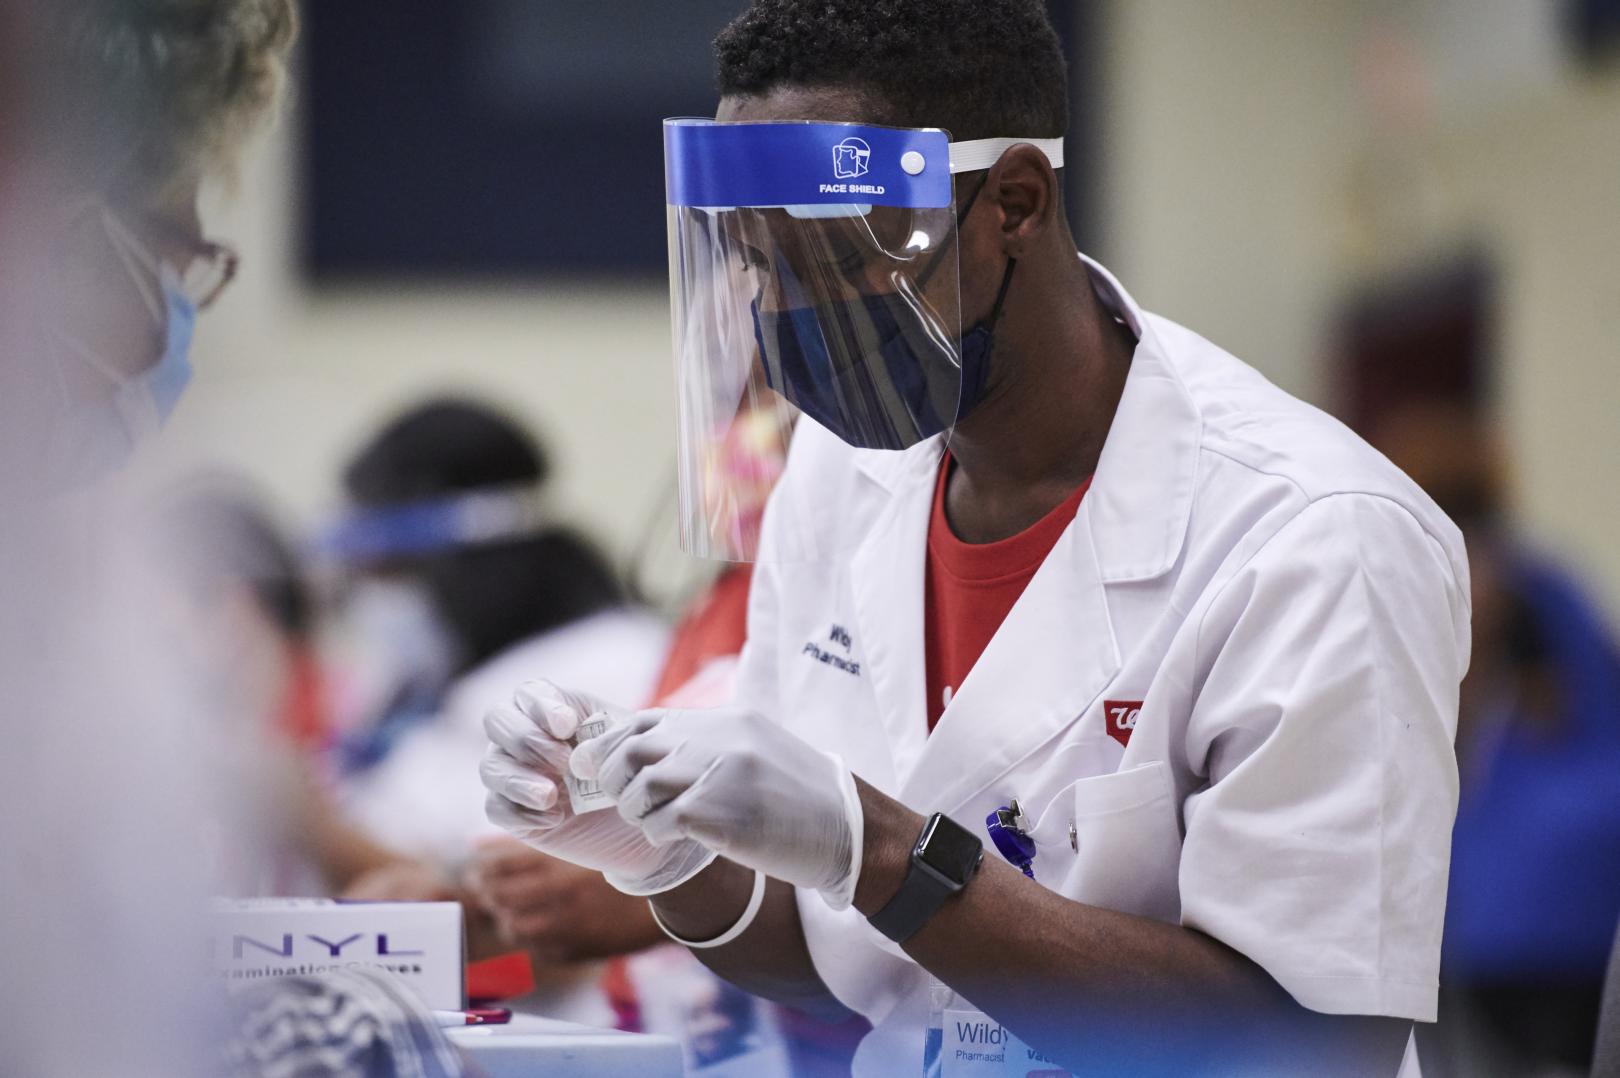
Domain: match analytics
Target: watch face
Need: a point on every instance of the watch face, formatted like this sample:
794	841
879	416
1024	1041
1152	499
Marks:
949	849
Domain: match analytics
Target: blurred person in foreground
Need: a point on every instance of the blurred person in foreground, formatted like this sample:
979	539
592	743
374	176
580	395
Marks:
109	772
458	579
1535	869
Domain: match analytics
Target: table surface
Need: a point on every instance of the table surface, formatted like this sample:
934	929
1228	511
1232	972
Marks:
529	1046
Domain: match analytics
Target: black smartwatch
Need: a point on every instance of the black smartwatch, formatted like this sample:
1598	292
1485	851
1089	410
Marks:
945	858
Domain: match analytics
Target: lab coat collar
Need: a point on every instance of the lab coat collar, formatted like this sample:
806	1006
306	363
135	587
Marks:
1142	494
1141	497
887	577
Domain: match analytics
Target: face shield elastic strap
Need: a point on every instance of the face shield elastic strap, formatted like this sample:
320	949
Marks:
979	155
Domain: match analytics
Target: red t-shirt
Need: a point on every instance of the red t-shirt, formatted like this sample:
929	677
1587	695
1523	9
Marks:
714	627
970	588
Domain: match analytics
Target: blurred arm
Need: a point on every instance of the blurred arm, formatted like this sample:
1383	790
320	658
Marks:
342	852
558	912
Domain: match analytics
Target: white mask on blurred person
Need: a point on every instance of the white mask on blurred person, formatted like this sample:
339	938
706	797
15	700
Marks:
97	432
394	642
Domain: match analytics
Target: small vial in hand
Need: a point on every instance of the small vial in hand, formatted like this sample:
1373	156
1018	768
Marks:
587	795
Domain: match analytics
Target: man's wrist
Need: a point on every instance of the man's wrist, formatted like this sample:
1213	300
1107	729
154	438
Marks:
709	903
891	830
756	899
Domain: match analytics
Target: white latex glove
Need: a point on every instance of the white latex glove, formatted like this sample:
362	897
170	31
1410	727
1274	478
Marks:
742	786
523	772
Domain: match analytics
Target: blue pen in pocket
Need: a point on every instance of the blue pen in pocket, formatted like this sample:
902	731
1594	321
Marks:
1009	830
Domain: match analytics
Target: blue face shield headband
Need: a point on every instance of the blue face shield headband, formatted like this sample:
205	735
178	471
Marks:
816	265
417	529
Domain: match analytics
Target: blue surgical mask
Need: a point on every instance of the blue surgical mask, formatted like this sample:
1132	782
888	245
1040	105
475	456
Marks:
165	382
916	391
922	386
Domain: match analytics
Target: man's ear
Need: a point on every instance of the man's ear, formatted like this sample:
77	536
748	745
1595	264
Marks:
1027	193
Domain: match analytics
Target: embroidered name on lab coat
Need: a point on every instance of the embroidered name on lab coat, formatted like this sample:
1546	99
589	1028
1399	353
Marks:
839	636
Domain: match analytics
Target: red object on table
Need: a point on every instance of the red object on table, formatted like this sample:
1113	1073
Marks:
506	976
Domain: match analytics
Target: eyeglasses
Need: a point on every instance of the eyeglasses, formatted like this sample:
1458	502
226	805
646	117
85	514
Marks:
212	271
148	244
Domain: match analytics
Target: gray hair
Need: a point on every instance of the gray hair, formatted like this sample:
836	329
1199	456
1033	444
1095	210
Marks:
152	96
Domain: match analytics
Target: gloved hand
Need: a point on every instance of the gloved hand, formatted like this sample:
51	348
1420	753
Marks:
739	784
523	772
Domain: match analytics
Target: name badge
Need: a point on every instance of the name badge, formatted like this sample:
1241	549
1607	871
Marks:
977	1046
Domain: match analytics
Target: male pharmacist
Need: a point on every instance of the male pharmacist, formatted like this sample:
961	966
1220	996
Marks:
1097	693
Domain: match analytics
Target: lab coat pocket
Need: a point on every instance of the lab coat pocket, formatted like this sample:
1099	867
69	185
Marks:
1115	841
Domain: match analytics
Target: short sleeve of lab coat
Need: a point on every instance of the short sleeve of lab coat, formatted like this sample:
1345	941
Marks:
1325	716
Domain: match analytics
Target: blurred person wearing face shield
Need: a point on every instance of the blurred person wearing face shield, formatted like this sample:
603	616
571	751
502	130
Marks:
129	106
459	578
1096	692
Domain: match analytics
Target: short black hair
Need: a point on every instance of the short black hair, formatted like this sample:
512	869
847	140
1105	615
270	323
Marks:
978	68
440	447
496	594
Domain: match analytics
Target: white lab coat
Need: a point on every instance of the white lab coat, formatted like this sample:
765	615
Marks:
1292	613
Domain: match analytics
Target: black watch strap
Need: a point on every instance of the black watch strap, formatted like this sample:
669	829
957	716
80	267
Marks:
919	898
927	886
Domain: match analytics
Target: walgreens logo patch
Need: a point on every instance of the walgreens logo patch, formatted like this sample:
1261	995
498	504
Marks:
1120	715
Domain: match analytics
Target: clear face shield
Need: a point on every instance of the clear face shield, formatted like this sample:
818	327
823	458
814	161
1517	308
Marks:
813	271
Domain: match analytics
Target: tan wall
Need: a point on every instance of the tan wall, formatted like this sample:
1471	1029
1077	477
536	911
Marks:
1542	181
1225	135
